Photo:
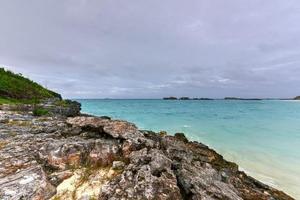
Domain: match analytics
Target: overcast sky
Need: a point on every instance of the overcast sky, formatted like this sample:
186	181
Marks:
154	48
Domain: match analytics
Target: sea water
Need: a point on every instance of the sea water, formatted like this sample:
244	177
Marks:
262	137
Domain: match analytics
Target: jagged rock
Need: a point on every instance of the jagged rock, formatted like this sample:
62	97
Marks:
28	183
65	153
199	182
132	138
114	128
181	136
104	152
148	176
69	109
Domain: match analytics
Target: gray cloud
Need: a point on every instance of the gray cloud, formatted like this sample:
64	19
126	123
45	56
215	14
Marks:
150	49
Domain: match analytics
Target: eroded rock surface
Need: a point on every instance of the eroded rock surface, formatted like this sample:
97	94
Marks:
86	157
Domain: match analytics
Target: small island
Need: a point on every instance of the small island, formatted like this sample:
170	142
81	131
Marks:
205	99
186	98
170	98
247	99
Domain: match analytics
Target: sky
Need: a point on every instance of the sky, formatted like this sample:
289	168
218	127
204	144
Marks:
154	48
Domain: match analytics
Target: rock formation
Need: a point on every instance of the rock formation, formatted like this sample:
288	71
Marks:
87	157
297	98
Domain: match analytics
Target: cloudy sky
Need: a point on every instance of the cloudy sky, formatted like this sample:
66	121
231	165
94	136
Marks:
154	48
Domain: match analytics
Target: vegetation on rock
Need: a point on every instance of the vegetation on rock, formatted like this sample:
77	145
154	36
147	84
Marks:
40	112
4	100
14	88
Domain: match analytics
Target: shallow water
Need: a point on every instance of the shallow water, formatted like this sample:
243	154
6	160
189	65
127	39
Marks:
263	137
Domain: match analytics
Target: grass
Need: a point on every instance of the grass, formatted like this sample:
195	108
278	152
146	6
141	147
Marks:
15	88
40	112
62	103
5	100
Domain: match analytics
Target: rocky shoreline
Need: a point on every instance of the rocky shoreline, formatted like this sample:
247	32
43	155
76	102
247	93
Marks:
68	155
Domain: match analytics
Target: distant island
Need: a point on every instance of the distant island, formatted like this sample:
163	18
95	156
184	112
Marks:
229	98
170	98
185	98
208	99
237	98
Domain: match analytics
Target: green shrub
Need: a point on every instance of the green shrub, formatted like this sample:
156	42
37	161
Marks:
16	86
62	103
40	112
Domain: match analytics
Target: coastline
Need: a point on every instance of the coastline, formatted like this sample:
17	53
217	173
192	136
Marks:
168	158
248	167
255	138
262	177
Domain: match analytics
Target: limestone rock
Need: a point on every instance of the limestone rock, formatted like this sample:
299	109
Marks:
28	183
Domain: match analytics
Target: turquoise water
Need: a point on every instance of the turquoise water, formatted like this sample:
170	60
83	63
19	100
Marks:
263	137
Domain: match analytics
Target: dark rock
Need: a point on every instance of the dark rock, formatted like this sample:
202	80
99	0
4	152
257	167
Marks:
297	98
181	137
105	117
66	108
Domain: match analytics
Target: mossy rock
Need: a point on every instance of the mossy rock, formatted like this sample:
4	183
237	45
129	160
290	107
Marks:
40	112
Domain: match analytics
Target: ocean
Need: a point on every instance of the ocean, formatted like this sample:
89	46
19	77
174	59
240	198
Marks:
262	137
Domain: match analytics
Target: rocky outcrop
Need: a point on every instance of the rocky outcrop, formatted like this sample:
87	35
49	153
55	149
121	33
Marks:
67	108
87	157
297	98
54	106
